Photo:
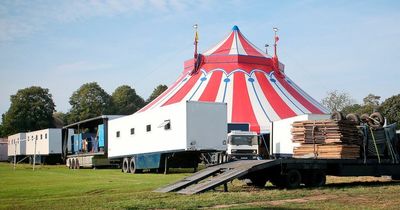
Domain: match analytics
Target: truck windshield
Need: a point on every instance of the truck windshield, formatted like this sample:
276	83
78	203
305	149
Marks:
244	140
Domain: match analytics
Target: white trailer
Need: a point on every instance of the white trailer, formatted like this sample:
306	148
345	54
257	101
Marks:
178	131
45	145
282	144
17	146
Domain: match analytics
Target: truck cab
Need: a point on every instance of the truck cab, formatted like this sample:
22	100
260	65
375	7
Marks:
242	145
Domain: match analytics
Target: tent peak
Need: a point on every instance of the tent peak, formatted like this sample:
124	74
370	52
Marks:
235	28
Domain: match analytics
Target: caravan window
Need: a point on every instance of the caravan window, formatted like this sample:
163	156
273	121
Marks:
117	134
148	128
45	136
41	136
132	131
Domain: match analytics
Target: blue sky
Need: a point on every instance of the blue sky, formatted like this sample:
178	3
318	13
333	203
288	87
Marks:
351	46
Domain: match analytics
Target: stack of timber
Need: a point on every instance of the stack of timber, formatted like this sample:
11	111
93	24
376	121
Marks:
326	139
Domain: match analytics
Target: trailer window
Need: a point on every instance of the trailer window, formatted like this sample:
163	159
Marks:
117	134
148	128
132	131
41	136
45	136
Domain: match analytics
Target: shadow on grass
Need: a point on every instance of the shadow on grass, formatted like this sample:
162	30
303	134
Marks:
347	185
230	207
362	184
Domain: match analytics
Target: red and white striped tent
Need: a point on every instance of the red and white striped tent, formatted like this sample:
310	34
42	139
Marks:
238	73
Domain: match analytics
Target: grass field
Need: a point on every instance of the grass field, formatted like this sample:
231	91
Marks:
56	187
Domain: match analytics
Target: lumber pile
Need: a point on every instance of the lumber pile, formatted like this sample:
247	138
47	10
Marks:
326	139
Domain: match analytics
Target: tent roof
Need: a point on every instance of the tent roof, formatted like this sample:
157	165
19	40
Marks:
236	44
236	72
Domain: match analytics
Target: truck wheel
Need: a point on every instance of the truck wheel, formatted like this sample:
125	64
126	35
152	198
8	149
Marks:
292	179
315	179
125	165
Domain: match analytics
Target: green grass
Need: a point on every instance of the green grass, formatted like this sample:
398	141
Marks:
56	187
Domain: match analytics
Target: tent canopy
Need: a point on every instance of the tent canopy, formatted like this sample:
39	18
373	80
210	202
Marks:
238	73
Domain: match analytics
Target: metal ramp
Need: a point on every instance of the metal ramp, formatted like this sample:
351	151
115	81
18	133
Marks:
215	176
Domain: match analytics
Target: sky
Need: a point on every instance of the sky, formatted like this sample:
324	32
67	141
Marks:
350	46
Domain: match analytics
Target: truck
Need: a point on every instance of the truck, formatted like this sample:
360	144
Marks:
179	135
176	136
242	145
379	156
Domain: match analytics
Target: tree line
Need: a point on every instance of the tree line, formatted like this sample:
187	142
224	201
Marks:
342	101
33	108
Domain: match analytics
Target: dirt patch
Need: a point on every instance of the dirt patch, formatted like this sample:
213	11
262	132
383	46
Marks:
277	202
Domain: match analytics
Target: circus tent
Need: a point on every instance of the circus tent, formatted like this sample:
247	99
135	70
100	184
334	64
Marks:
251	82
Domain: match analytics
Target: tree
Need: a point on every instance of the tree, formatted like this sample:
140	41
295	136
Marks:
390	109
89	101
31	109
370	105
126	101
1	131
336	101
59	119
371	99
156	92
353	108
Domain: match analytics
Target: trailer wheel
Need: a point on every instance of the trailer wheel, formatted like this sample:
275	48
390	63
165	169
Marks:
354	118
72	164
69	163
316	178
132	165
125	165
292	179
77	166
